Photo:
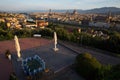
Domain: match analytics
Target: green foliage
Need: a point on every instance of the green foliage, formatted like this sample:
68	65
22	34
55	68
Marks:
22	32
53	26
62	34
73	38
112	44
6	34
114	73
3	26
103	72
46	32
87	66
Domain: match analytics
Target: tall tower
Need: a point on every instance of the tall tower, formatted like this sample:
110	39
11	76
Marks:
50	11
67	13
109	17
91	18
109	14
49	14
74	12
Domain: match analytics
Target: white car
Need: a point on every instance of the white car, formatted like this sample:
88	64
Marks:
36	35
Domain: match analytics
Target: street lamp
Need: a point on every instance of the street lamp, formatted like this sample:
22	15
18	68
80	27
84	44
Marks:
81	39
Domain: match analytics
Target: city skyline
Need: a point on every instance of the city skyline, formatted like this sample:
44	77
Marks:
13	5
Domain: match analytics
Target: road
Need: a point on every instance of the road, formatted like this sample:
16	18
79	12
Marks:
102	58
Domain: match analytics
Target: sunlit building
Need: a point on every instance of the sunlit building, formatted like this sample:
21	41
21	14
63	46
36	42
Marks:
41	23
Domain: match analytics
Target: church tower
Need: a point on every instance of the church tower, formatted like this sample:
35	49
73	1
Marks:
75	12
109	17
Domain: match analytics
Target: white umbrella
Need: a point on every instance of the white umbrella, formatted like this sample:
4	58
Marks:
17	46
55	42
55	38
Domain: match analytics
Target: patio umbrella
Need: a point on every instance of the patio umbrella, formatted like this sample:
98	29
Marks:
55	42
55	38
17	46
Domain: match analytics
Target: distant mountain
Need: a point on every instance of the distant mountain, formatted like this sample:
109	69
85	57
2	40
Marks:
68	10
103	10
96	10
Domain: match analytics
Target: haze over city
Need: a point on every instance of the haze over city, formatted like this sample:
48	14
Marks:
17	5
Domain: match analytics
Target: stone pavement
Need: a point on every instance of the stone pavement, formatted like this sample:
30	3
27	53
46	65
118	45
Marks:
44	48
6	67
56	61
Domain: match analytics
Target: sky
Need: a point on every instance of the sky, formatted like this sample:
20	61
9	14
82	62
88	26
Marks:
16	5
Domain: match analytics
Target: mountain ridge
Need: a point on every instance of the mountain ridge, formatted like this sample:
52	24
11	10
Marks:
95	10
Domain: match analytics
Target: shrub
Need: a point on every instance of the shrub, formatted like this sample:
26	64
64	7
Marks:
103	72
114	73
87	66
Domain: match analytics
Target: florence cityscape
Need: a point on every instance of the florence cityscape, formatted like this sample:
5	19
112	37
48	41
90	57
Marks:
60	40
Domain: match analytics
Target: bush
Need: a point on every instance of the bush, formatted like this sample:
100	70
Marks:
87	66
103	72
114	73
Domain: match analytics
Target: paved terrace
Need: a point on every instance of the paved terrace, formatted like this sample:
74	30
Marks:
26	43
55	61
43	47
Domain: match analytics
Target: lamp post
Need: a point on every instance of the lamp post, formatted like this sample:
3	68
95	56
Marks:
81	39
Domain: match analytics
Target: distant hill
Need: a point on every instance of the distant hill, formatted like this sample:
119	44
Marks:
96	10
103	10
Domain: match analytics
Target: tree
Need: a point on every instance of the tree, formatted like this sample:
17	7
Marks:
3	26
62	34
103	72
114	42
114	73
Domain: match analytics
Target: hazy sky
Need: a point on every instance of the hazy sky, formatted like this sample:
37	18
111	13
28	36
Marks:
56	4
